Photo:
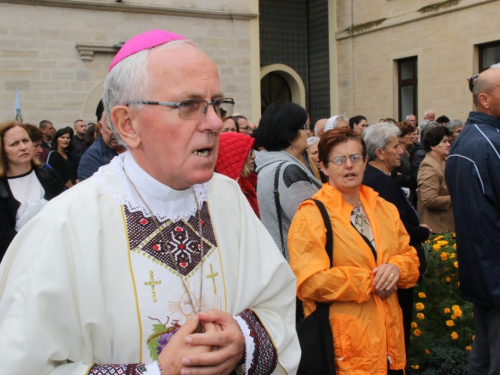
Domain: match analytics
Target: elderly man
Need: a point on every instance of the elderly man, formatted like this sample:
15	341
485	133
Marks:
412	119
474	183
429	115
319	127
154	263
102	151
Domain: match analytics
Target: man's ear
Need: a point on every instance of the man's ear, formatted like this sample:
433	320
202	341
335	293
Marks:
122	118
483	99
379	153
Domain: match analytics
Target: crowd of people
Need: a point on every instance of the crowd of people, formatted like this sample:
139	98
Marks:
182	270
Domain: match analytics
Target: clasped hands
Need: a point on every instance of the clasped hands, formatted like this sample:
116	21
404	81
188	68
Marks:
216	351
386	277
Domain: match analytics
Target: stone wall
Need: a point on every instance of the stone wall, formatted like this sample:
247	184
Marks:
39	54
444	41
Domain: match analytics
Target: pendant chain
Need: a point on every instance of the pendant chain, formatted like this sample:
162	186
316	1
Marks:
170	251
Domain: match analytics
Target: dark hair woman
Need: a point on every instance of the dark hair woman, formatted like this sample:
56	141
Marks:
434	201
283	134
371	259
25	186
61	157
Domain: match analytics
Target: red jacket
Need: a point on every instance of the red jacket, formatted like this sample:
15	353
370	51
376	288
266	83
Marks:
233	151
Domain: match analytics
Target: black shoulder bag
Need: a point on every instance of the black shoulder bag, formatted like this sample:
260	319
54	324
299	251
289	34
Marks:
315	332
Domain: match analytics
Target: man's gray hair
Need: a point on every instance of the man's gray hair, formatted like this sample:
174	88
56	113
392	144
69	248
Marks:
312	141
129	81
453	124
379	136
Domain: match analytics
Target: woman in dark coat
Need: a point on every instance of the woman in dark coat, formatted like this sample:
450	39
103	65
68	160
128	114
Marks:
25	185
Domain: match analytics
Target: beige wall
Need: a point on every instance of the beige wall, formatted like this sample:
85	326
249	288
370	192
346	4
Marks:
38	51
443	41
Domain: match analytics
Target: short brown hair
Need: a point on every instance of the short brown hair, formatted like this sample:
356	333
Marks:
34	132
405	127
335	136
4	163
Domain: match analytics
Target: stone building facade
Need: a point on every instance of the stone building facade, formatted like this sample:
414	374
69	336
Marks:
57	53
330	56
445	37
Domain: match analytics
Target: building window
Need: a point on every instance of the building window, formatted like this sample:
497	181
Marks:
407	87
489	54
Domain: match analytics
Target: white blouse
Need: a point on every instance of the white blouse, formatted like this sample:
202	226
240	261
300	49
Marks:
28	191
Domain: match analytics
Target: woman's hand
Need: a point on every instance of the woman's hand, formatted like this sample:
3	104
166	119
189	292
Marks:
386	277
426	226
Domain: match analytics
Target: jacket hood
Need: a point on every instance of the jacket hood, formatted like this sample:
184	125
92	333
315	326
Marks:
233	151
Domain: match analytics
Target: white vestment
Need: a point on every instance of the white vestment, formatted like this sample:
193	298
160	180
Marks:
82	284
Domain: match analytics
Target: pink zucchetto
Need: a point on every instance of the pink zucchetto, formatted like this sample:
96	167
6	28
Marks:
144	41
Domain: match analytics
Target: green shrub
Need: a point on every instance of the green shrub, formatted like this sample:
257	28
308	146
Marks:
442	328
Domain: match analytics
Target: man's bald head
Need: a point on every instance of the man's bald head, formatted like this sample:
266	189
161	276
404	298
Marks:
486	92
319	127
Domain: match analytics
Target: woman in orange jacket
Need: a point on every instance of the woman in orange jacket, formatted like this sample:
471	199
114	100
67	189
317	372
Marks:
371	259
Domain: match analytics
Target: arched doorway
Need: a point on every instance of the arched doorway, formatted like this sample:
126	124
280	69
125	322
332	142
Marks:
279	82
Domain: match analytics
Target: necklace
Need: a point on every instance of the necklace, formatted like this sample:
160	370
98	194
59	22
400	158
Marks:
360	221
172	258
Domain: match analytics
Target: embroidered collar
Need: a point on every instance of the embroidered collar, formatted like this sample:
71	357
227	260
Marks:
165	202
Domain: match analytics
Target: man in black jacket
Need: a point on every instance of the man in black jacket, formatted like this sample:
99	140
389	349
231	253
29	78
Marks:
473	179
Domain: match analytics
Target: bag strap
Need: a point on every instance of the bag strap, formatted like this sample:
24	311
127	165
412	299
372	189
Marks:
328	227
276	193
48	156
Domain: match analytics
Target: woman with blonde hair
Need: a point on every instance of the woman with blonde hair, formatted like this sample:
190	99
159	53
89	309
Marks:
25	186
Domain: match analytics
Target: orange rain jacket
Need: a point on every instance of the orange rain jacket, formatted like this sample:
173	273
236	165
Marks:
367	330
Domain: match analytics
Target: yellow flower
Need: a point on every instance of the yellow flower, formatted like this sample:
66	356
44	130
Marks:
448	279
422	295
442	243
456	264
454	316
417	332
437	238
414	325
444	256
450	323
455	246
427	351
458	313
415	367
456	308
420	316
468	348
446	310
452	256
419	306
473	337
454	235
436	247
454	335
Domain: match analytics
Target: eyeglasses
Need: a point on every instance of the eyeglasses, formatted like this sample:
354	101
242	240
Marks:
471	81
305	126
341	160
195	109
